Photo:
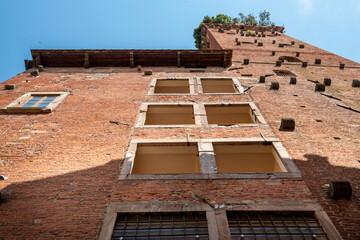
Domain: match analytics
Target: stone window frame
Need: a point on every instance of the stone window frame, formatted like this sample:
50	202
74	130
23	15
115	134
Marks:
207	160
199	115
236	83
154	81
217	221
15	106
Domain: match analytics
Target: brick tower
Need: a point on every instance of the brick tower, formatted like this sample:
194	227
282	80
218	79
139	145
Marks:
255	136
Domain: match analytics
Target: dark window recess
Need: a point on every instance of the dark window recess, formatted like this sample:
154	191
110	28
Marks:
274	225
195	66
185	225
284	73
290	59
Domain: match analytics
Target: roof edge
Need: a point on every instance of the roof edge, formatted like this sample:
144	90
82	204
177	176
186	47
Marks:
128	57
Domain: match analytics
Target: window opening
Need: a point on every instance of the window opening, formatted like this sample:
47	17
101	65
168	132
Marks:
166	159
229	114
284	73
39	101
274	225
218	85
185	225
35	102
169	115
289	59
237	158
172	86
32	102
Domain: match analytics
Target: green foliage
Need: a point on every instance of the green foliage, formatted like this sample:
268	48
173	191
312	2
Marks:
262	19
235	20
197	36
220	18
207	19
249	19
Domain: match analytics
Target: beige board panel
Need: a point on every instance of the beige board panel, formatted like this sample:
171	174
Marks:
170	159
218	85
245	158
169	115
229	114
172	86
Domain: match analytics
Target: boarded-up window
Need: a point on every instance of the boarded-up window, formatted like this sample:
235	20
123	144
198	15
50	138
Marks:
229	114
238	158
166	159
216	85
169	115
168	86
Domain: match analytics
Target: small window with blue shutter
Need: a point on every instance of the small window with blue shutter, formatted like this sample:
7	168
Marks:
35	102
39	101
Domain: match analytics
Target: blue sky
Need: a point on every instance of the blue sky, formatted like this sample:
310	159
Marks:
160	24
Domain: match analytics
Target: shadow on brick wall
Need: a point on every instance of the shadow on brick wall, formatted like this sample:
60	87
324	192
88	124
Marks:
72	205
69	205
317	173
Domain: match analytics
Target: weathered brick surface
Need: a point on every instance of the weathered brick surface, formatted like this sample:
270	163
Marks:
63	167
325	143
216	191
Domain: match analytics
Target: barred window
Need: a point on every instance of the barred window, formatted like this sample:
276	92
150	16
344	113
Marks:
185	225
274	225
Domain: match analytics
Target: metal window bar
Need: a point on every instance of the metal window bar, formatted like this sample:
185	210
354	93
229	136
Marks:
275	225
186	225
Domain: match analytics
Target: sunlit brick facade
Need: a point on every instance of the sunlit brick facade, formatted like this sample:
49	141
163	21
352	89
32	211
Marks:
72	168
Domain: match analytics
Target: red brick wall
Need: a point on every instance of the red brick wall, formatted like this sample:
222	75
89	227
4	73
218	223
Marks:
325	143
63	167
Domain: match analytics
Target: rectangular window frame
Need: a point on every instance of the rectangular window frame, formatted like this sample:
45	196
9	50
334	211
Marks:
141	119
16	106
207	160
265	223
199	115
236	84
190	161
217	221
155	80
